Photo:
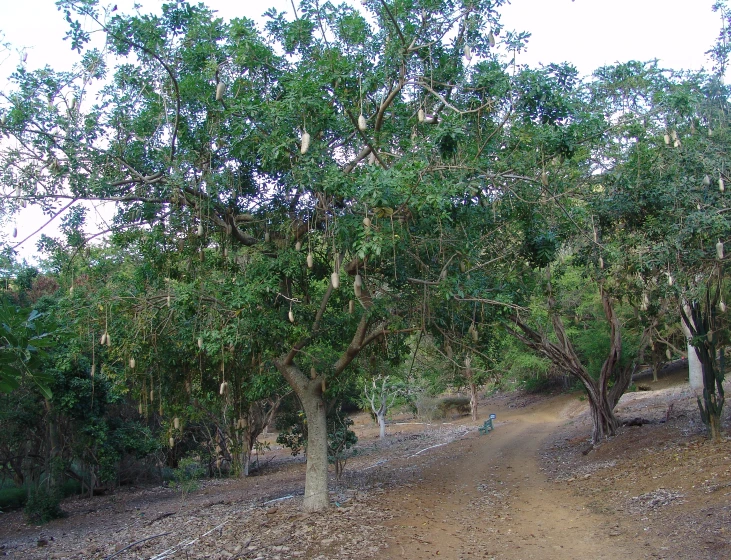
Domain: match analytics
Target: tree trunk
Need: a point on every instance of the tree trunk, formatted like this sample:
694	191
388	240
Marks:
469	375
699	319
381	417
380	412
695	368
310	392
310	395
316	496
604	422
256	420
246	458
714	427
473	401
54	447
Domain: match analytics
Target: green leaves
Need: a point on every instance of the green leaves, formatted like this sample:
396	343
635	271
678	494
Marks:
353	29
541	248
25	337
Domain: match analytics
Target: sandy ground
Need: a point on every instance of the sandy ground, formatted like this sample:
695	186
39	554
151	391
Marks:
532	488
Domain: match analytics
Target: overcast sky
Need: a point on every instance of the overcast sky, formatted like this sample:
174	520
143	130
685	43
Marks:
586	33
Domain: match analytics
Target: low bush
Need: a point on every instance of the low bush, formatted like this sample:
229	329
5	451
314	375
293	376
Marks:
426	408
430	408
44	505
188	474
12	497
453	405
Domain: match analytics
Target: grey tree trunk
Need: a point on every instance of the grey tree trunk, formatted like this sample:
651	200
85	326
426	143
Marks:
246	460
316	495
381	417
473	401
695	368
469	374
380	394
310	393
255	421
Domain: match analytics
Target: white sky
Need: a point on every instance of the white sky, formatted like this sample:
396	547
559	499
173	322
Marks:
586	33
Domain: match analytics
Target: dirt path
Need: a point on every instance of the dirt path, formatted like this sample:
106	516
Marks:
490	499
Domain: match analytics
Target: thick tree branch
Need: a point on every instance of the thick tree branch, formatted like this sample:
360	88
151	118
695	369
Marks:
393	20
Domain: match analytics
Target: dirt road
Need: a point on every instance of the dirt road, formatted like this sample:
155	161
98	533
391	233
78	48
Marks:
490	500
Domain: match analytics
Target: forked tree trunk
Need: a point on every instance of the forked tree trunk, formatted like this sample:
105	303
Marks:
602	398
255	422
310	392
380	394
604	422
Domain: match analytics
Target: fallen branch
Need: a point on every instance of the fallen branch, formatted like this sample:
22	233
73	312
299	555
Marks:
166	553
161	516
136	543
278	499
375	464
425	449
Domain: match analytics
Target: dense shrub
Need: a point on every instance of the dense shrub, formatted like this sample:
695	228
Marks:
12	497
44	505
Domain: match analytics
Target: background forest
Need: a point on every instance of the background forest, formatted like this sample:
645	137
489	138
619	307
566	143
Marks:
351	208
